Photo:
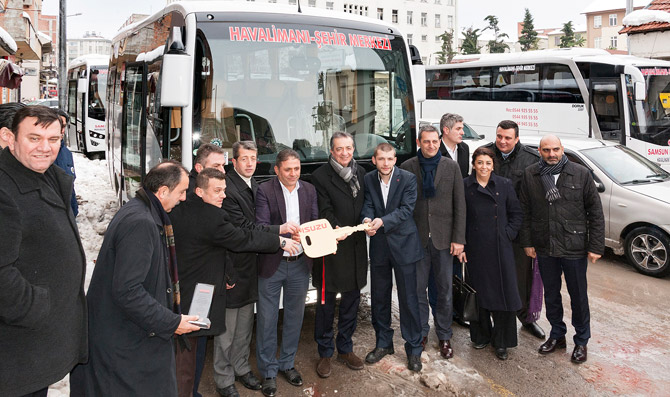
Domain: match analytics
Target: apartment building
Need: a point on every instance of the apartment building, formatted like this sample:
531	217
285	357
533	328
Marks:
91	43
604	21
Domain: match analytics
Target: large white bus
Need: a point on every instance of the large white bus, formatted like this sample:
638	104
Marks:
220	71
567	92
86	93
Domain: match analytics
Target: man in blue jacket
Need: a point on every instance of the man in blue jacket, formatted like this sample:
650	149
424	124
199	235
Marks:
390	196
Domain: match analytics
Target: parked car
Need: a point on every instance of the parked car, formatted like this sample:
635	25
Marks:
636	200
49	102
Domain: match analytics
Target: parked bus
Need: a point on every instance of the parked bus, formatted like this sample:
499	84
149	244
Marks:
220	72
566	92
86	93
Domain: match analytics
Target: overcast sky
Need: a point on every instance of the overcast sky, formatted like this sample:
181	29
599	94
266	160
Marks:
106	16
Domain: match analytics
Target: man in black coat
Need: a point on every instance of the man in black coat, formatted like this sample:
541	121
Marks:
512	158
207	156
563	225
340	188
42	264
202	237
232	347
131	298
452	145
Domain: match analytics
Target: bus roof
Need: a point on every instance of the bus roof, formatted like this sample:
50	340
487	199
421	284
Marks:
189	7
90	60
541	56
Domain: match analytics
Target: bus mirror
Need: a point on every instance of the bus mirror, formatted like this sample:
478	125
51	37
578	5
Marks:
419	82
82	86
175	80
640	91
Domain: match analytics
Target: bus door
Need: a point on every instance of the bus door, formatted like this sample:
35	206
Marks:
72	137
133	129
80	122
607	115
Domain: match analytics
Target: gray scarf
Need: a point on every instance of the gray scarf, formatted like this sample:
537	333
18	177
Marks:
348	174
547	173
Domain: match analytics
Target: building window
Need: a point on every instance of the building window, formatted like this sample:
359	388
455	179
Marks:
424	19
329	5
438	39
597	21
409	39
350	8
450	2
613	20
380	13
437	21
410	16
394	16
424	38
597	42
311	3
557	40
614	40
450	22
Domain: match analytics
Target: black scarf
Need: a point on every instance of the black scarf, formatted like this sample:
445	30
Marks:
428	166
547	173
169	235
348	174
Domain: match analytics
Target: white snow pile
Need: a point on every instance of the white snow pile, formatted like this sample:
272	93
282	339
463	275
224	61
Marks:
7	38
641	17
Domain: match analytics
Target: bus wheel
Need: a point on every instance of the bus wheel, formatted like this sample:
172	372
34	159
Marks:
647	249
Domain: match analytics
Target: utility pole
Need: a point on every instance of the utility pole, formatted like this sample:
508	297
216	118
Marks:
629	9
62	55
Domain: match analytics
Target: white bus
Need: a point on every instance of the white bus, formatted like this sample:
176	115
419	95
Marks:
218	71
566	92
86	93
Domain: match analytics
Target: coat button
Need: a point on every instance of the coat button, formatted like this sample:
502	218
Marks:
169	290
151	335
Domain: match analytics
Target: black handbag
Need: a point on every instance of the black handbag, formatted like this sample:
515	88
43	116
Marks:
465	299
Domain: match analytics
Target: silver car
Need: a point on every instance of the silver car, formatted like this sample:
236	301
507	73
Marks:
636	201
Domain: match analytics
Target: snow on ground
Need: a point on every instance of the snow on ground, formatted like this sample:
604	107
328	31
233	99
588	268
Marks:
97	206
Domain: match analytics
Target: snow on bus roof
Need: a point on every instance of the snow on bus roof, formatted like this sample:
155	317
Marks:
91	59
189	7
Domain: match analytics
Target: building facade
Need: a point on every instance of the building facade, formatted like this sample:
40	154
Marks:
604	21
91	43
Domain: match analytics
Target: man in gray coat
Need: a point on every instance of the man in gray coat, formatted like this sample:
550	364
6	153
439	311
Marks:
131	296
42	265
440	217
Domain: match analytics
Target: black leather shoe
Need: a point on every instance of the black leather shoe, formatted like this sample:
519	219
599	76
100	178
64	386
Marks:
459	320
229	391
377	354
551	345
501	353
250	381
269	387
479	346
579	354
534	330
293	376
414	363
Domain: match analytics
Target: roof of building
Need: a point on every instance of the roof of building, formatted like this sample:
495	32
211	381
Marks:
656	17
607	5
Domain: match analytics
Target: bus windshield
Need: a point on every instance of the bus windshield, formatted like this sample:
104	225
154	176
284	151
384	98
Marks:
289	86
97	92
653	118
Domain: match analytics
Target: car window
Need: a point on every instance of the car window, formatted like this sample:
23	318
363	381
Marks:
625	166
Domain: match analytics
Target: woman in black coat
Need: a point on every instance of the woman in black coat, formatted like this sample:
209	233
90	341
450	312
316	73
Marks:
493	220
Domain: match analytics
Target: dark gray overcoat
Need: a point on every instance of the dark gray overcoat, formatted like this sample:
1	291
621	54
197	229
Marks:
130	300
494	218
42	268
348	269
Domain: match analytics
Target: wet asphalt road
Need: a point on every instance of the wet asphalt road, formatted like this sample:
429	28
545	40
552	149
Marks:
629	352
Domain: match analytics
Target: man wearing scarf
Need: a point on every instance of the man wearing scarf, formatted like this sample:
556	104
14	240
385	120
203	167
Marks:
340	193
563	226
440	217
133	299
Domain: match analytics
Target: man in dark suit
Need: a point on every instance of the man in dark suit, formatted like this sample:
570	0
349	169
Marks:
340	189
452	145
390	196
440	217
279	200
207	156
231	348
203	237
